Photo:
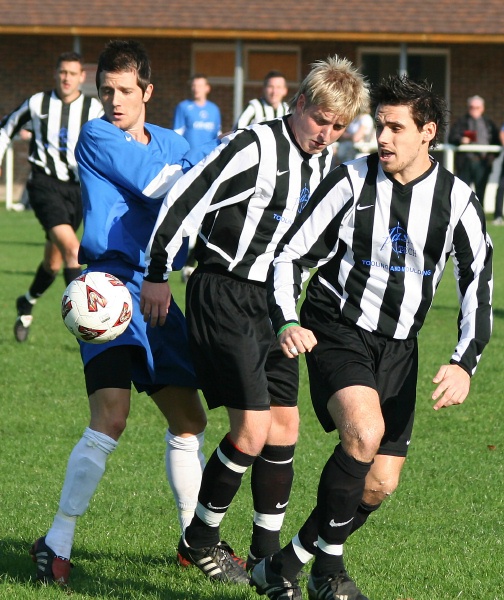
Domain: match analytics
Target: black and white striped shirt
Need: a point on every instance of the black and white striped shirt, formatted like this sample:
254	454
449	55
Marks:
245	195
381	248
258	111
55	128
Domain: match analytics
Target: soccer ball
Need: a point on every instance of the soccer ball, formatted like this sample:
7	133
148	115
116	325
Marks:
96	307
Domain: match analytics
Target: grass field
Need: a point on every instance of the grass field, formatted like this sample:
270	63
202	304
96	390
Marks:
439	537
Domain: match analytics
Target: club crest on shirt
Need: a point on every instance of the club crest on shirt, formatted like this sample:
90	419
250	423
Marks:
303	198
399	239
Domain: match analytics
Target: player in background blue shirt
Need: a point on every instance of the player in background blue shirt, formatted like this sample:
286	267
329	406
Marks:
126	167
199	121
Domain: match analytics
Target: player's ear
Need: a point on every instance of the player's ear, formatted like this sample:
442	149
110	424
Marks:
429	131
301	102
148	92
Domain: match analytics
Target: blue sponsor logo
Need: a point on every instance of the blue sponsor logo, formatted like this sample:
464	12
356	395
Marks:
282	219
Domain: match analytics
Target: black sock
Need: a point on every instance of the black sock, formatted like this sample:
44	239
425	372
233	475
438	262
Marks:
219	485
361	515
71	273
285	562
41	282
339	494
271	483
308	534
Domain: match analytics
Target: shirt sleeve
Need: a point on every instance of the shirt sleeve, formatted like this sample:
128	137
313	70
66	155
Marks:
11	124
472	259
106	151
311	242
178	119
226	176
247	117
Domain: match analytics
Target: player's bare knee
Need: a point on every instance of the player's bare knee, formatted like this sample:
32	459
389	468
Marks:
379	490
70	257
117	427
284	427
193	424
112	426
361	444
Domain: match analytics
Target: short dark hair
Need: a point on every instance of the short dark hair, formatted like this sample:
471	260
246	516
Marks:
69	57
272	74
425	105
125	55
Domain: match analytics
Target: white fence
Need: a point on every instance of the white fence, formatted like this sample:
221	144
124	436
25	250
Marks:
493	181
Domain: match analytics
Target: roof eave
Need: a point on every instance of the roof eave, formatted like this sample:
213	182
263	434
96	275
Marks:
228	34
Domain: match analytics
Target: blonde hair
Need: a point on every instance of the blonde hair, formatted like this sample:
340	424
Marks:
337	86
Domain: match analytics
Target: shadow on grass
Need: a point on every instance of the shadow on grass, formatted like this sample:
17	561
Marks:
18	567
30	273
22	242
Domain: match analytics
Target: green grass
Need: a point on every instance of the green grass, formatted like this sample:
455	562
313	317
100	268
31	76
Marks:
439	536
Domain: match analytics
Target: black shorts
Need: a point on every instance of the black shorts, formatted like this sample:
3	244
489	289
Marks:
55	202
237	358
346	355
114	368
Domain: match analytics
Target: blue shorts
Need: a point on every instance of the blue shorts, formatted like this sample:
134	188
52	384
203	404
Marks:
165	359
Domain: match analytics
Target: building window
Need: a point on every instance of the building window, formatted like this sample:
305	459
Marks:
421	63
261	59
217	62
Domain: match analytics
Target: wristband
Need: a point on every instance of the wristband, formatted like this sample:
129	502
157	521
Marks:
282	329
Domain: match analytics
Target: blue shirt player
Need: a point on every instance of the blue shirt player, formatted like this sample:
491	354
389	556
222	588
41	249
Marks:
199	119
126	167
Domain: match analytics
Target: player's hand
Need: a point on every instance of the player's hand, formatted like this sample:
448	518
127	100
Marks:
296	340
155	301
453	386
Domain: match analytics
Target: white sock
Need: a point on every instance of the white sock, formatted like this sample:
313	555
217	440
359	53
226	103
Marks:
85	469
184	465
303	555
60	537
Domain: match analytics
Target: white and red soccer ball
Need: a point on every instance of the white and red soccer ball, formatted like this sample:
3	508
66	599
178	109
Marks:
96	307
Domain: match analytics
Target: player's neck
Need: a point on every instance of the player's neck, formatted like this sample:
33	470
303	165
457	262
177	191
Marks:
68	99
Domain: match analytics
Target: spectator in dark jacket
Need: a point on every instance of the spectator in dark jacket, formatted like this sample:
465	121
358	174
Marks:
474	128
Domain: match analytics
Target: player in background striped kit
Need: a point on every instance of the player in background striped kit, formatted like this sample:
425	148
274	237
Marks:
270	106
55	118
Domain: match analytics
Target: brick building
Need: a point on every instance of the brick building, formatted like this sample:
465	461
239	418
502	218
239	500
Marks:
457	44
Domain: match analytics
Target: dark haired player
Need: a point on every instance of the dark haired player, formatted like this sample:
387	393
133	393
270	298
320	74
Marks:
127	166
380	230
